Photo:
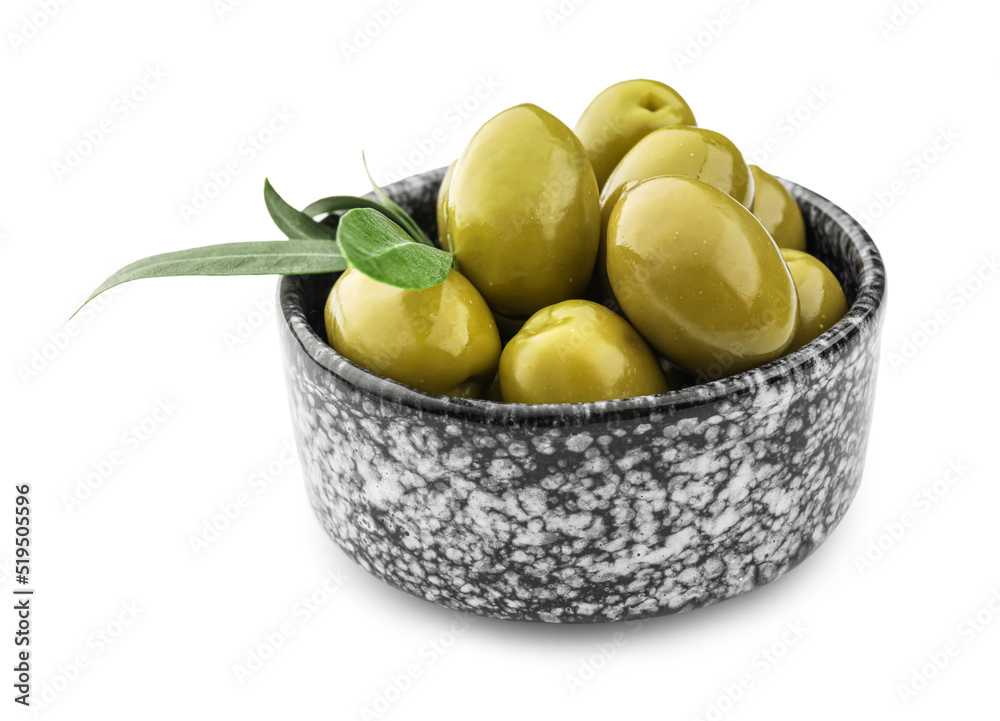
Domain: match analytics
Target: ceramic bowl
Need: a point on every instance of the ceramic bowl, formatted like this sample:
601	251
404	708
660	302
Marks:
596	511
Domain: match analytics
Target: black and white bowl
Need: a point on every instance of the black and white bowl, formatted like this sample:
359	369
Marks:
596	511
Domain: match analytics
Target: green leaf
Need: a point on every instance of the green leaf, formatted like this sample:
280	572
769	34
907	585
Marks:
411	226
293	223
347	202
383	251
341	202
269	257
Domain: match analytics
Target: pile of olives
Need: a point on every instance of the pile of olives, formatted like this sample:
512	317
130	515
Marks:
635	255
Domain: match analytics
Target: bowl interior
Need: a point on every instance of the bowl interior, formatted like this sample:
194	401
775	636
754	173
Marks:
832	236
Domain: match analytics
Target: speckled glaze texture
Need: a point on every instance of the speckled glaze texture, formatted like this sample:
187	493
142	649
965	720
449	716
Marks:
590	512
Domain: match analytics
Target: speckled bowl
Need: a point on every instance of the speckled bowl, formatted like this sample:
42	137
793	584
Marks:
598	511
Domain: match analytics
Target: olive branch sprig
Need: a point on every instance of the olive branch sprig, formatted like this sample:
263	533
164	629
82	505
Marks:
377	237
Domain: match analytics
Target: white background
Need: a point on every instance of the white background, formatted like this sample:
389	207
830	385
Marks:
884	87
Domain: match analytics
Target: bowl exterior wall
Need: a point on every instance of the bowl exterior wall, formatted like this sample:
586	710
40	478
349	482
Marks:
594	515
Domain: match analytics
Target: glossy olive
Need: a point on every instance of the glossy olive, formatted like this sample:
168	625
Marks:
692	152
624	114
697	153
442	207
821	299
699	277
578	351
522	212
777	211
440	340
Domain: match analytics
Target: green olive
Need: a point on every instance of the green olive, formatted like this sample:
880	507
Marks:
575	352
442	207
440	340
624	114
692	152
522	212
697	153
777	211
699	277
821	299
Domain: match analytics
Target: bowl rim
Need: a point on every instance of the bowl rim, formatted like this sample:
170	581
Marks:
864	311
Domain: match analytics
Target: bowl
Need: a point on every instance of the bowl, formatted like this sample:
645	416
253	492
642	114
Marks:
590	512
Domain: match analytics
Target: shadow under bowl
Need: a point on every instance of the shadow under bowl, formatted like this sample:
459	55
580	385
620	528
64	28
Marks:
590	512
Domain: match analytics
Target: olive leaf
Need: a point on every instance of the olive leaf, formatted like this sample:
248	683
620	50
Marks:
367	238
411	227
295	224
268	257
382	250
347	202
